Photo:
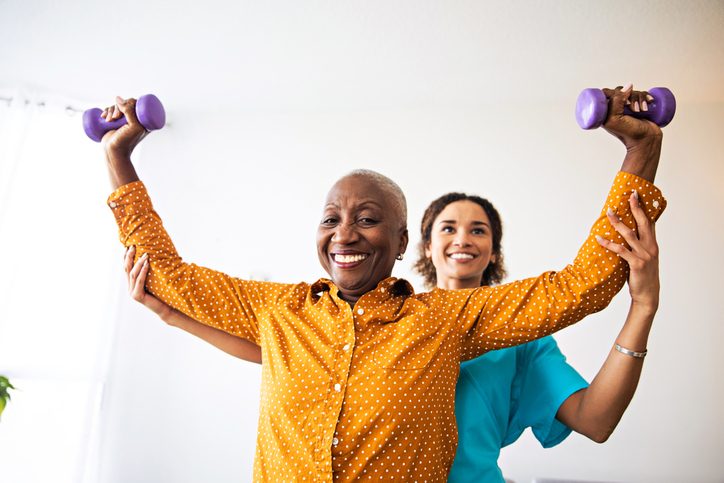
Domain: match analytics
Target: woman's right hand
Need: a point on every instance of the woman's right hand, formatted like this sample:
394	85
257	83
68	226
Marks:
120	143
136	278
629	130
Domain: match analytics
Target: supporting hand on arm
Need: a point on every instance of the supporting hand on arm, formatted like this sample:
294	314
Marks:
136	276
596	410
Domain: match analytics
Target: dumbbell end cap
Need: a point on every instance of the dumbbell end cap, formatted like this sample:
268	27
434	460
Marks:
150	112
90	126
591	108
664	106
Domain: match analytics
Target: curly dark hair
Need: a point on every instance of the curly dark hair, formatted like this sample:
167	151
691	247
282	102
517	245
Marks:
494	273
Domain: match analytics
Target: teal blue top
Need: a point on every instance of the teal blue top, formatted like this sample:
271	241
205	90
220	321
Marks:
499	395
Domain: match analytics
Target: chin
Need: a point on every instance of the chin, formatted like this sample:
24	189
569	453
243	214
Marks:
347	285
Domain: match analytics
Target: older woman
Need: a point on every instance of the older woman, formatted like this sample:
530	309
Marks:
500	393
359	373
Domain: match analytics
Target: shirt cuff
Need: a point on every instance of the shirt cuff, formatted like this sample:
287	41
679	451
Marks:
130	199
650	197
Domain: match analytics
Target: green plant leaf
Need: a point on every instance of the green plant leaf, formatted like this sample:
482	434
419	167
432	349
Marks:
4	394
4	383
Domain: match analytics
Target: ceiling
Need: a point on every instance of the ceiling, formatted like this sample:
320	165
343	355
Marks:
290	55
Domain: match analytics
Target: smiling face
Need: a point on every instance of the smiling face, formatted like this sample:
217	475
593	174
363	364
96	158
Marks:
461	245
360	235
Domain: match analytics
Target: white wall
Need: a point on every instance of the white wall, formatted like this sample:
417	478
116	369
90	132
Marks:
243	194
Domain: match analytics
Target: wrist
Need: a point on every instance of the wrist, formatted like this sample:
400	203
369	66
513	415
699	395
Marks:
120	169
646	147
167	315
642	155
645	308
117	159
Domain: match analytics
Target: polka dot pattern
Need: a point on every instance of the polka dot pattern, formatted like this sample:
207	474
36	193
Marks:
366	393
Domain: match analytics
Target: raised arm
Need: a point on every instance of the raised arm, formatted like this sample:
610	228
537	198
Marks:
595	411
232	345
207	296
526	310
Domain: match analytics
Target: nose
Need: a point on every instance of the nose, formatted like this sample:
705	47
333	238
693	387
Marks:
345	233
461	239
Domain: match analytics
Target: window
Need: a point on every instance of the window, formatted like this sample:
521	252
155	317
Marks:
58	273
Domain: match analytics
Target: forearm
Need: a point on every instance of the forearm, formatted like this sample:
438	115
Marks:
118	144
596	411
120	171
232	345
642	158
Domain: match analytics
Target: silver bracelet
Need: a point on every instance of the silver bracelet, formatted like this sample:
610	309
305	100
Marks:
639	355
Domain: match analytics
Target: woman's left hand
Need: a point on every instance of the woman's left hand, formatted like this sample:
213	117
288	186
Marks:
136	277
642	256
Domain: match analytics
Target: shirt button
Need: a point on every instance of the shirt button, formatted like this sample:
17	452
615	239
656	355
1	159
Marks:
112	204
337	387
360	311
656	204
346	347
335	441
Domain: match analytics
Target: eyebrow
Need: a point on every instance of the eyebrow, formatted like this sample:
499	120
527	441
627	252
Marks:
452	222
361	205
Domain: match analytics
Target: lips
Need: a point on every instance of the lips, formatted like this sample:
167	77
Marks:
348	260
461	256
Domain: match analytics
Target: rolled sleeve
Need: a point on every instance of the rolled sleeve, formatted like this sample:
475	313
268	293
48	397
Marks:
206	295
518	312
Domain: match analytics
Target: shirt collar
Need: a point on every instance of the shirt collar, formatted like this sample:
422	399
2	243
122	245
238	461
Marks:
393	285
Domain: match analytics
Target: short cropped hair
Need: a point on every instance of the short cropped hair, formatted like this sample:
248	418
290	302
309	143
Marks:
397	197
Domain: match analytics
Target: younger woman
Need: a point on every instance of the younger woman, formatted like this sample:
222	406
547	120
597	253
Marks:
503	392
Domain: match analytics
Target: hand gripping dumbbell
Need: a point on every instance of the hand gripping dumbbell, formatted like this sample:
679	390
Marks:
149	110
592	107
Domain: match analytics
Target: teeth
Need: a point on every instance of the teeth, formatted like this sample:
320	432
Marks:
461	256
349	258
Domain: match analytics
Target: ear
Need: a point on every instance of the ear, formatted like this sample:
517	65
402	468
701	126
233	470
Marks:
404	240
428	252
492	258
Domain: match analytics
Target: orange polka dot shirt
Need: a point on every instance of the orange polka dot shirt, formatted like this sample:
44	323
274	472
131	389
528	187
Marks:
366	393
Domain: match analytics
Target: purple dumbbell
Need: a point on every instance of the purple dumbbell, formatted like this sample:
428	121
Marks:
592	107
149	110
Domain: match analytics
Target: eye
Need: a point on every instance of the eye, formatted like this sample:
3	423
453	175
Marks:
330	220
447	229
365	220
478	231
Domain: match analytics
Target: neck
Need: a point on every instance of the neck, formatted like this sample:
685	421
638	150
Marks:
455	284
350	299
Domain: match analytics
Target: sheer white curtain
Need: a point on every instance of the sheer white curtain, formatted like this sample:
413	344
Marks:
59	272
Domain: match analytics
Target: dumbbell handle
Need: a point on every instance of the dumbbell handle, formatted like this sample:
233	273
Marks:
149	110
592	108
